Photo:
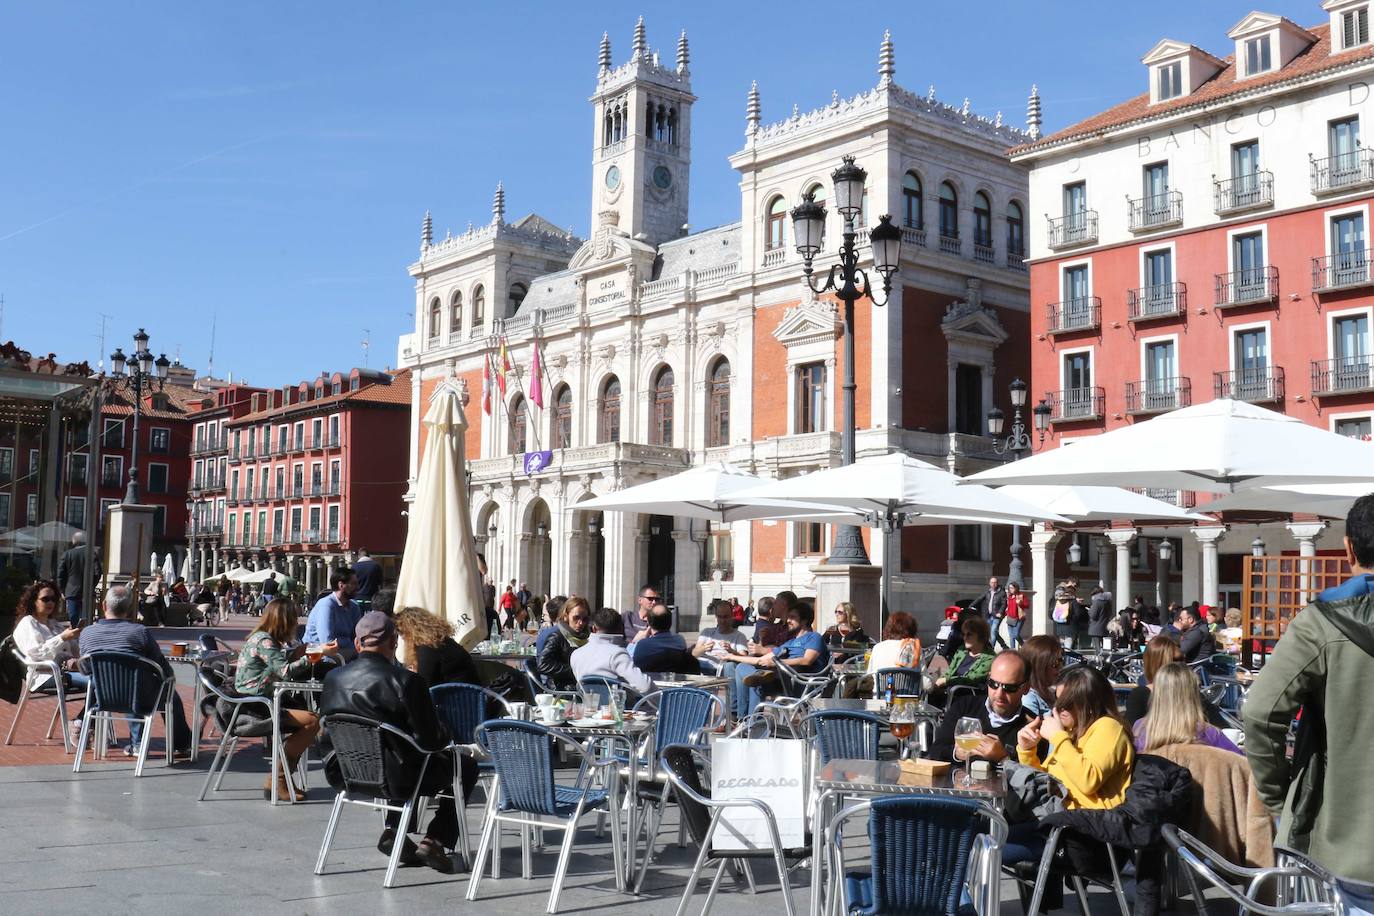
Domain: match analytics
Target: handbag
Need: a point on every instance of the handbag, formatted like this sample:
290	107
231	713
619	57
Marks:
14	674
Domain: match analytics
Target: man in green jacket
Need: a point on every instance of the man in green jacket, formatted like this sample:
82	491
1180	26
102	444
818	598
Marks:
1323	666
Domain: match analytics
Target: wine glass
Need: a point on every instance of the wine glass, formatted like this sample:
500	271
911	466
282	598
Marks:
902	724
968	734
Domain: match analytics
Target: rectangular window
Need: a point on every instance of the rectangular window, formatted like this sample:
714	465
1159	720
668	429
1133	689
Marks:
157	478
1159	268
5	523
297	479
1349	257
111	470
317	432
159	440
1350	339
1343	144
262	527
314	521
278	523
968	542
31	509
968	399
1170	81
332	535
112	434
74	511
811	398
1247	261
1077	310
335	477
1155	189
334	431
280	481
159	521
105	505
1355	428
6	463
233	524
296	523
77	466
1078	385
316	478
810	539
1355	28
299	435
1161	371
1257	59
247	529
1251	364
33	461
1075	211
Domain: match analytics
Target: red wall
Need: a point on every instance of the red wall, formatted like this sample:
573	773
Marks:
375	476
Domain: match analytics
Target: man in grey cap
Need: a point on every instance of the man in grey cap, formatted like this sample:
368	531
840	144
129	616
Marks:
375	687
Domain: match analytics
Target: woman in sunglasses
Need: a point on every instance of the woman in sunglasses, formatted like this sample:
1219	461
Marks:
43	637
1090	748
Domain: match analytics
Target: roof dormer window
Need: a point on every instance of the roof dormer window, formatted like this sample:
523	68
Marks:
1355	28
1258	56
1169	81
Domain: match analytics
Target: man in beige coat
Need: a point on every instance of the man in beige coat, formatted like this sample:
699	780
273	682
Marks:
1323	666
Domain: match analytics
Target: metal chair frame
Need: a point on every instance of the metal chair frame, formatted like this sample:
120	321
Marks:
465	744
718	807
377	804
1079	882
166	690
57	689
1201	861
589	767
228	744
983	872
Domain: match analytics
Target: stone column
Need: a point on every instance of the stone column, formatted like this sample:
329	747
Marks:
1305	533
1042	544
1104	568
686	566
1121	539
1208	537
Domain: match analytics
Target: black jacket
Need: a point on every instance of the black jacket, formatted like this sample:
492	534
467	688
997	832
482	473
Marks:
992	604
72	568
369	573
974	705
1100	613
555	662
374	687
665	652
446	663
1198	644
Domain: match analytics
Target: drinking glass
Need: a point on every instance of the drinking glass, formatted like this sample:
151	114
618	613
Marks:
901	722
591	704
968	734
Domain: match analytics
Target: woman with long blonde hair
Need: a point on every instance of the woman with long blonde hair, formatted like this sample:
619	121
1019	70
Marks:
431	651
847	626
1176	715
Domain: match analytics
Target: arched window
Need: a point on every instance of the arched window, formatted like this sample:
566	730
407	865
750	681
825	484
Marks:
455	314
982	220
436	313
661	416
653	121
479	310
608	411
718	406
606	130
562	417
949	211
773	233
672	126
913	212
1016	231
517	425
517	294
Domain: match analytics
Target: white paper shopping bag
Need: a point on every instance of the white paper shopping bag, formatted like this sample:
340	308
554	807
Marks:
774	772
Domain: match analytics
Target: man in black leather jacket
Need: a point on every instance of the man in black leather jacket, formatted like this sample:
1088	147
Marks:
375	687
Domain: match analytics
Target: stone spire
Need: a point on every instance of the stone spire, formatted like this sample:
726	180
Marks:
641	45
1033	113
887	61
498	205
682	55
427	232
603	60
752	111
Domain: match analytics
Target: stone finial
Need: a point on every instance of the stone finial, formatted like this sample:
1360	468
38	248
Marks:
887	61
930	96
498	205
427	232
641	45
963	109
682	55
603	59
752	111
1033	113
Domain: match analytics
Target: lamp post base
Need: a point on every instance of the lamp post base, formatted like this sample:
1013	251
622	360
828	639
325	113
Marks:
847	549
857	583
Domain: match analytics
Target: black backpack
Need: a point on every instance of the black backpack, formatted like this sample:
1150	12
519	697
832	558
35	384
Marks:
14	674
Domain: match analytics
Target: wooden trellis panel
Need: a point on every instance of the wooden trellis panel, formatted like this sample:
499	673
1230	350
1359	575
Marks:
1276	588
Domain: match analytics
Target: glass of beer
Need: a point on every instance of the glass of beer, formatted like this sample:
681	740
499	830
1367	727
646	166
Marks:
901	722
968	734
314	653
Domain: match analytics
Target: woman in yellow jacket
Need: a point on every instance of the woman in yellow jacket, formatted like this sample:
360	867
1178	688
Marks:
1090	751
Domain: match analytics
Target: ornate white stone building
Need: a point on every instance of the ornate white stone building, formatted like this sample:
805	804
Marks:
664	347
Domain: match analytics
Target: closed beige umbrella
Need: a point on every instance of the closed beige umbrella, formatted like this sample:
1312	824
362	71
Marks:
439	567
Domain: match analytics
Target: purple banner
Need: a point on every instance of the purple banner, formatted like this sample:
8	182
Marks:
537	461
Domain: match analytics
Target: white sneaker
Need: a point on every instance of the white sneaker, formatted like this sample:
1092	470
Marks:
74	730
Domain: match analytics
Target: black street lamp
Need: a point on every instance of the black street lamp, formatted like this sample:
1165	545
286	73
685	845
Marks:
132	374
1017	444
191	526
849	283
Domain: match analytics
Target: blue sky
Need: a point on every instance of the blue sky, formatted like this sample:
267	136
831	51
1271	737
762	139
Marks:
265	166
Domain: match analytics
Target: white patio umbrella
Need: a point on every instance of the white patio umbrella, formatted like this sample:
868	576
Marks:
1083	504
1331	500
1219	447
254	577
186	567
709	492
895	490
439	566
236	574
169	568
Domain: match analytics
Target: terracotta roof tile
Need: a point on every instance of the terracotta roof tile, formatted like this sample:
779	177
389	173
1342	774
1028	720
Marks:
179	401
1316	59
369	392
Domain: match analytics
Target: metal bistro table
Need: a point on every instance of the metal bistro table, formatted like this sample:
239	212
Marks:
708	682
311	689
884	777
634	730
196	658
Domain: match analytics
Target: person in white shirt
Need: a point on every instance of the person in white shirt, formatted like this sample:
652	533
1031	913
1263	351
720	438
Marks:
604	654
723	638
43	638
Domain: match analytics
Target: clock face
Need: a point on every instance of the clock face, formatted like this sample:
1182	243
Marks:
662	177
613	177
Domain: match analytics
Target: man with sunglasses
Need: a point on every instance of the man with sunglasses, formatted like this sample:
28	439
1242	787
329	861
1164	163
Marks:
999	709
637	621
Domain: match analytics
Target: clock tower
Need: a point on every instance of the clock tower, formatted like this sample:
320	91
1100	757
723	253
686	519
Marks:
641	144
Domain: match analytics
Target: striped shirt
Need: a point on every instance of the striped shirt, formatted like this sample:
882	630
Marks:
119	635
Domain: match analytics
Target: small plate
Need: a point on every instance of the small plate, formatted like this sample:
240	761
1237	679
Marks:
590	723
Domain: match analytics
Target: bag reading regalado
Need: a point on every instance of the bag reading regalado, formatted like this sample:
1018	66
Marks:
770	770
